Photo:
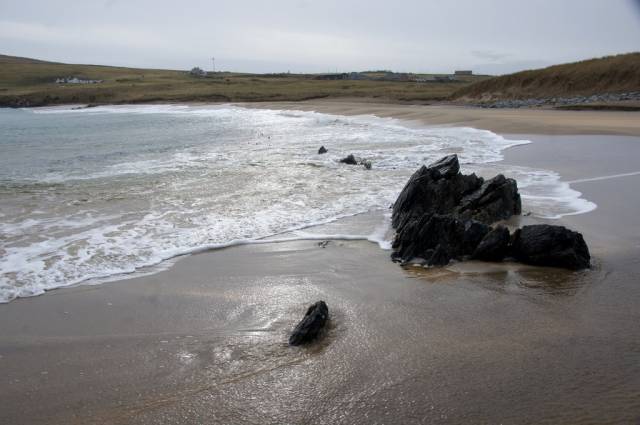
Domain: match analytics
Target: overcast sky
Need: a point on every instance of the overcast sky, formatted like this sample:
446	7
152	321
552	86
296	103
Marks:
488	36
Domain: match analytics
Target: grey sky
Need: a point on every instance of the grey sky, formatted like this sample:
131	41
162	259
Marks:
492	36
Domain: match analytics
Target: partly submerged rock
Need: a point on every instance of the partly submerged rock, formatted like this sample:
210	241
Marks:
310	326
427	211
349	159
547	245
442	214
494	246
440	257
322	150
454	237
474	232
367	164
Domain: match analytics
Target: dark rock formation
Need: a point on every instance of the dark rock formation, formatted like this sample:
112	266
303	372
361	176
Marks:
322	150
561	102
442	215
494	246
350	159
474	232
367	164
497	199
454	237
445	167
433	190
442	189
441	206
546	245
440	257
310	326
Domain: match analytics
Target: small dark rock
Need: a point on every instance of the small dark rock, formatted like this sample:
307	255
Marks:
310	326
350	159
494	246
555	246
367	164
322	150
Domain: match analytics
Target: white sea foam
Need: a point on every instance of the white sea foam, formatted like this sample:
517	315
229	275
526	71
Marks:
224	176
545	195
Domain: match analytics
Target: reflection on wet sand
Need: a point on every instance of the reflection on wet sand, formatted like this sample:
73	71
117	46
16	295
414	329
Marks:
510	277
404	346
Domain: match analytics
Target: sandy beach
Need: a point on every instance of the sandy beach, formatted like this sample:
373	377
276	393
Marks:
206	340
502	121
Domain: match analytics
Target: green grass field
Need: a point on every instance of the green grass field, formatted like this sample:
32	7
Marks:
28	82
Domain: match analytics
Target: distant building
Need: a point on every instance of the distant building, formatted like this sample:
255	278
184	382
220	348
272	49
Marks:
198	72
76	80
342	76
396	76
443	78
464	72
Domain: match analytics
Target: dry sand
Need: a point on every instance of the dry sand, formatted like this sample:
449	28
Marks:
205	341
516	121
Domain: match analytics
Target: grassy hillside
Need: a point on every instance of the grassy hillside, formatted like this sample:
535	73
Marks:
611	74
16	59
30	82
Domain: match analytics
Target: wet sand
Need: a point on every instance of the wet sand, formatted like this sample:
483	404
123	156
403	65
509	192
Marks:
205	341
606	170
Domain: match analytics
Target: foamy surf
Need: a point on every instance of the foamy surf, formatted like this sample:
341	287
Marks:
100	193
544	193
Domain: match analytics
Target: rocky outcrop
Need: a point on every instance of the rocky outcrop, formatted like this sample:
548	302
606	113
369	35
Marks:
474	233
441	206
442	214
497	199
436	189
350	160
423	237
322	150
494	246
546	245
560	102
445	168
311	325
440	257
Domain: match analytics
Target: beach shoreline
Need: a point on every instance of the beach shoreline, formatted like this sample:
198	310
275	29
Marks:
205	340
529	120
542	121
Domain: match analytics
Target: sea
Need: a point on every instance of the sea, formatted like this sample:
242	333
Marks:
91	195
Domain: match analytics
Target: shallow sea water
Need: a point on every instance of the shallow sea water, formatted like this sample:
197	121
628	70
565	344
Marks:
95	194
